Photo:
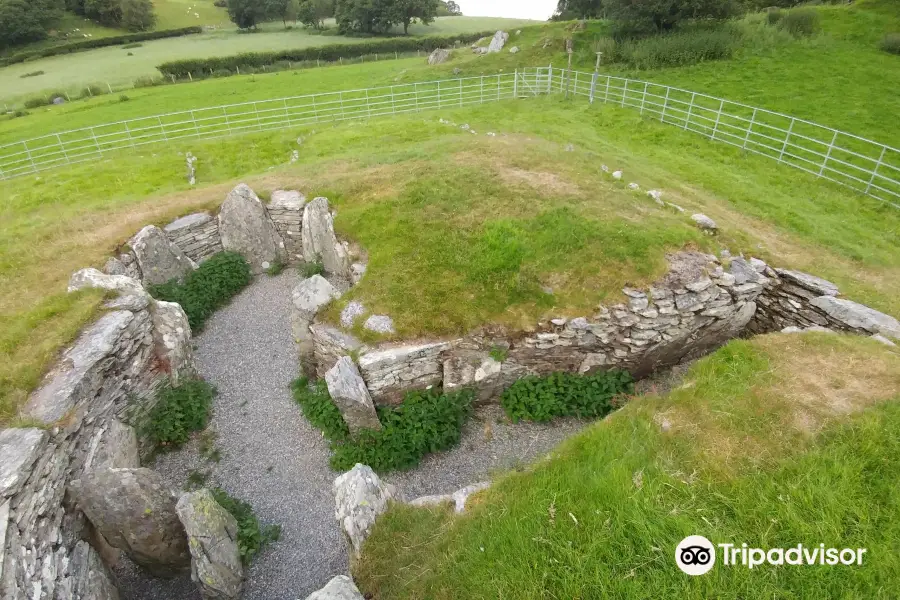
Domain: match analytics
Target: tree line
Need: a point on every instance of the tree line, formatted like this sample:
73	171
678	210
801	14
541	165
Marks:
352	16
654	16
23	21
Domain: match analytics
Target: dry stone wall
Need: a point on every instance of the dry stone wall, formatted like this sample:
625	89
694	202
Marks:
197	235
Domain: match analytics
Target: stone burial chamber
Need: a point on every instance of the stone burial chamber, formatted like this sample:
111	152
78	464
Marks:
72	486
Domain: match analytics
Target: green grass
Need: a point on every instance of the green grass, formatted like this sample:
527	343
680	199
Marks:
600	518
112	65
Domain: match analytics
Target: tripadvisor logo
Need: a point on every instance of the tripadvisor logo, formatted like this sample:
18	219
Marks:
696	555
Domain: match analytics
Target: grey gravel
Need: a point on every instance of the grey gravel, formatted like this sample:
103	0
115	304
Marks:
275	460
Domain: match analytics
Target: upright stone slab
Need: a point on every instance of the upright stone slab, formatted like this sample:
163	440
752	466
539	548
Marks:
212	537
349	393
159	259
135	511
359	497
439	56
172	339
319	241
286	211
339	588
498	41
245	227
88	578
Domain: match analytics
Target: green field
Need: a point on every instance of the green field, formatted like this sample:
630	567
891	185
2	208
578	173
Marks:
120	67
771	442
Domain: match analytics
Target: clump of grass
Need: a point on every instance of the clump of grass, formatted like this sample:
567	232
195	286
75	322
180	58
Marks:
196	480
208	288
498	353
124	98
252	536
276	267
774	15
179	412
207	446
680	48
891	43
802	21
308	269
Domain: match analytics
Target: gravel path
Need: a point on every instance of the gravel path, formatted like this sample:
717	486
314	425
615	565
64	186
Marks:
275	460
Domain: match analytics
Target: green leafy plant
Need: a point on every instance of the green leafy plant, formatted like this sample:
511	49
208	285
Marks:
566	395
309	269
426	421
498	353
252	536
801	21
891	43
178	413
276	268
208	288
774	15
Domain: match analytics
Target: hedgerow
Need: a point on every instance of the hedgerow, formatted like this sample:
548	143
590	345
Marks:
208	288
198	67
566	395
426	421
91	43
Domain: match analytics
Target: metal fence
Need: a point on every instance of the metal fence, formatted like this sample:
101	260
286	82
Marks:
87	143
844	158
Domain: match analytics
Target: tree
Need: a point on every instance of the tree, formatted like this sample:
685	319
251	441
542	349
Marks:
568	10
138	15
448	9
663	15
105	12
244	13
278	10
364	16
23	21
313	13
408	11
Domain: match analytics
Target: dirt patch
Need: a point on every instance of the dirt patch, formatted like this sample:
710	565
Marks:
542	181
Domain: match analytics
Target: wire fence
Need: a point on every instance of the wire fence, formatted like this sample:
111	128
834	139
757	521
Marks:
863	165
844	158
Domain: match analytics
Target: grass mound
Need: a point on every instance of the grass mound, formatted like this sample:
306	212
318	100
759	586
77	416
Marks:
208	288
772	442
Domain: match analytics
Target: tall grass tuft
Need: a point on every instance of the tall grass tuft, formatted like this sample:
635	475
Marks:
675	49
801	21
891	43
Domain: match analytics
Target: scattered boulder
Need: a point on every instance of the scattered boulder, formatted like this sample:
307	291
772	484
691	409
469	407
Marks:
312	294
498	41
245	227
339	588
319	240
212	537
380	324
159	259
350	394
351	312
135	511
514	50
360	498
439	56
657	196
357	270
858	316
704	223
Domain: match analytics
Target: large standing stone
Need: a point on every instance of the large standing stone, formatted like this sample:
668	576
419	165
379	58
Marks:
319	241
350	394
159	259
858	316
172	339
135	511
360	497
212	537
339	588
245	227
439	56
498	41
89	578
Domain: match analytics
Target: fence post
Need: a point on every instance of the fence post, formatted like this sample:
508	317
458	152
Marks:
341	97
662	117
644	97
550	78
875	171
749	130
606	94
593	87
100	150
718	118
687	120
575	91
393	104
498	87
194	121
368	106
624	92
30	159
786	140
481	80
515	84
256	112
288	114
460	93
439	94
416	94
828	154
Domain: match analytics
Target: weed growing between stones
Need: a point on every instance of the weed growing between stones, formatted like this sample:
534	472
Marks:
252	536
307	270
276	268
208	288
566	395
178	413
426	421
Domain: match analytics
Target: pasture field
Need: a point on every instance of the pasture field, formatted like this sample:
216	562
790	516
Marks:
119	67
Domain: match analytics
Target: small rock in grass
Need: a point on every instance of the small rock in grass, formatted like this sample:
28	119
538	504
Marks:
464	127
351	312
675	206
514	50
604	168
880	338
634	187
570	148
704	222
617	174
379	324
657	196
